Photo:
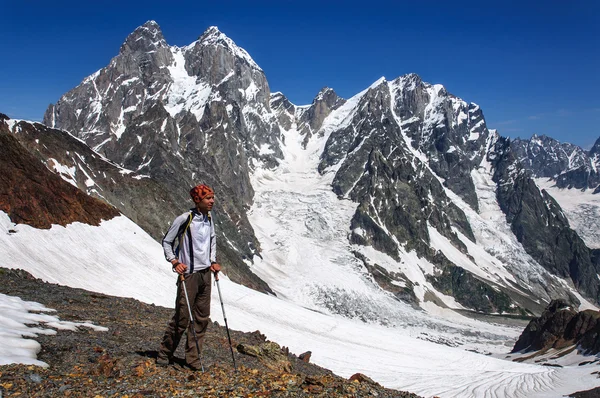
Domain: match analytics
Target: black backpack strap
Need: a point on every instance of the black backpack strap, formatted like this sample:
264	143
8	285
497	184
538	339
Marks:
182	229
191	244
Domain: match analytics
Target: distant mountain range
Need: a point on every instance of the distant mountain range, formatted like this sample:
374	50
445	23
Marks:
453	205
567	164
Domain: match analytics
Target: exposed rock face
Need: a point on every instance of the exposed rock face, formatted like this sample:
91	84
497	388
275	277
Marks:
474	293
561	326
539	224
31	194
85	169
377	152
376	170
311	119
567	164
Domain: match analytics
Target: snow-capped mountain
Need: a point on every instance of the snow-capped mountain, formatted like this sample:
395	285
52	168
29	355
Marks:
570	175
399	196
567	164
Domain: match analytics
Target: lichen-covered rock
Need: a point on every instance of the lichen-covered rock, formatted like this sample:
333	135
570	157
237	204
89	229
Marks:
269	353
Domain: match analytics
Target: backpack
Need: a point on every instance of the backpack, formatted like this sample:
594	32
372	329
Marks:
182	231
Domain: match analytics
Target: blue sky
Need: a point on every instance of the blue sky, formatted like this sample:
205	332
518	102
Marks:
532	66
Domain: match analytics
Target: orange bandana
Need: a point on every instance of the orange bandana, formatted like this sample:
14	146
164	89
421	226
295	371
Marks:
200	192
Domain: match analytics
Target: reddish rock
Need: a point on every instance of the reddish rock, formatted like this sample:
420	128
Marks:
305	356
361	378
31	194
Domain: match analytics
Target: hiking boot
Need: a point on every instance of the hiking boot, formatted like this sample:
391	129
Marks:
162	361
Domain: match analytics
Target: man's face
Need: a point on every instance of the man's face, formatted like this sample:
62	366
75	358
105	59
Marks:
206	204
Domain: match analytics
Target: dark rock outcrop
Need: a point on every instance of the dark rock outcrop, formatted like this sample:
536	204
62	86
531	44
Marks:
561	326
474	293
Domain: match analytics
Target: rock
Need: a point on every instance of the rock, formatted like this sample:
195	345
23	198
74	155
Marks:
269	353
561	326
313	381
305	356
540	225
361	378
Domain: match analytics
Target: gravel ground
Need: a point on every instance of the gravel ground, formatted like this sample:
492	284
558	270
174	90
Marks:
120	362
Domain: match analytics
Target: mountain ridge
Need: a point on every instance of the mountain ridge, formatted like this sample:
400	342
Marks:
405	151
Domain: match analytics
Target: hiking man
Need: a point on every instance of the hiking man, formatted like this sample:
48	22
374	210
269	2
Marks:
194	258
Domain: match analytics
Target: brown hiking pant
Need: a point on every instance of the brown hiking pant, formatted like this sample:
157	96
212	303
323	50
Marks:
198	287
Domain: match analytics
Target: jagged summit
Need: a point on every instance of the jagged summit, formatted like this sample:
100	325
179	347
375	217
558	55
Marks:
409	81
144	38
211	32
214	37
569	165
324	93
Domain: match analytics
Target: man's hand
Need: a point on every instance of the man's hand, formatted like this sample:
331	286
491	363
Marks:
215	267
178	267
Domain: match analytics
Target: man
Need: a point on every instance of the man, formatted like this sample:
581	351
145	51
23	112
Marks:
194	258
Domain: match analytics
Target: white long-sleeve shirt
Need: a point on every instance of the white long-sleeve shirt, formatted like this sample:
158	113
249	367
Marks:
199	239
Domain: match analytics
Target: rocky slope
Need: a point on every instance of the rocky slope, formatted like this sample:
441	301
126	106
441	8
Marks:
31	194
120	361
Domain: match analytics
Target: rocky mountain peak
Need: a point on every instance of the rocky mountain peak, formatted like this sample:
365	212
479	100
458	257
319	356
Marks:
213	37
311	118
409	82
211	33
323	93
145	38
328	96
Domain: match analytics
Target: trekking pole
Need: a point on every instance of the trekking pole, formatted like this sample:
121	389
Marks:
225	318
192	323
